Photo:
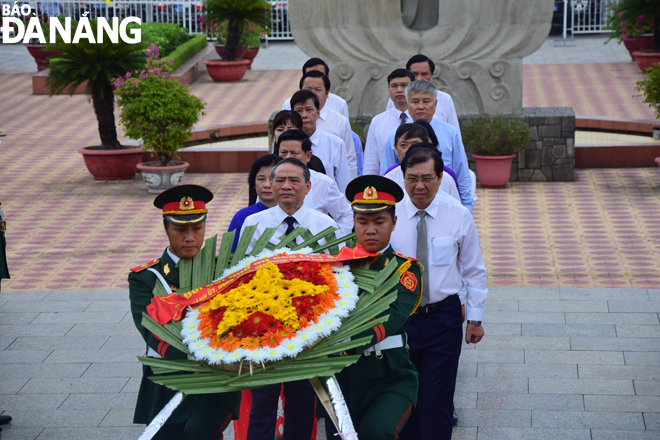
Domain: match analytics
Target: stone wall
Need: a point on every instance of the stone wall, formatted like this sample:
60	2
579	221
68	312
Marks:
551	157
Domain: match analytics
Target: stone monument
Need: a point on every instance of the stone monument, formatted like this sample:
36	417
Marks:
477	46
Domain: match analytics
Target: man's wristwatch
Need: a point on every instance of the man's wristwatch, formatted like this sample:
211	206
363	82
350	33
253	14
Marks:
475	323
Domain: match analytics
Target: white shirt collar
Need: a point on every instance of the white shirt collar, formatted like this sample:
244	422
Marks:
315	137
172	256
431	210
323	113
299	215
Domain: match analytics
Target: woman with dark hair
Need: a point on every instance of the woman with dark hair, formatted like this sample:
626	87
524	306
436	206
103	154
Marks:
259	182
285	120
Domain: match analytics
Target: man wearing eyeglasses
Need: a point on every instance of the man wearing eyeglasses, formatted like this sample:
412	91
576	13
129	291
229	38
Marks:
436	229
383	124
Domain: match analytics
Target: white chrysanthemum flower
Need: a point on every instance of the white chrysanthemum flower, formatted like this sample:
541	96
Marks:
292	347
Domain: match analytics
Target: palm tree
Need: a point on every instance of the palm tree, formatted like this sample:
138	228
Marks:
96	63
631	10
238	14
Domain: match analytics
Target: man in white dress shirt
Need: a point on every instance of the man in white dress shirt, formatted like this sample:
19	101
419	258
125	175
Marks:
437	230
291	183
324	196
328	148
335	102
422	67
383	124
420	95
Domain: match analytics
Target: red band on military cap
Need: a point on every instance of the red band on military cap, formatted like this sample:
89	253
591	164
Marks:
185	206
371	196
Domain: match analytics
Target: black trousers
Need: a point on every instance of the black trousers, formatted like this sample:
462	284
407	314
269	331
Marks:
435	345
207	421
299	409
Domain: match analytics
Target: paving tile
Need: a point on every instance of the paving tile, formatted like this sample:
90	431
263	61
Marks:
125	342
634	306
23	356
580	386
35	330
125	401
59	343
487	369
88	295
618	372
515	293
118	417
612	344
17	318
57	418
79	317
523	342
642	357
11	433
652	420
492	385
127	329
109	306
602	294
28	371
555	401
23	296
600	434
488	433
11	385
522	318
647	387
654	294
499	305
573	357
465	400
584	419
510	356
104	433
460	433
467	369
74	385
6	341
89	356
622	403
133	385
563	306
11	402
44	306
499	418
594	330
114	369
638	331
612	318
502	330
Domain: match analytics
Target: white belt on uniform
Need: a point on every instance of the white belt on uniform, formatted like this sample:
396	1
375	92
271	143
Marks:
396	341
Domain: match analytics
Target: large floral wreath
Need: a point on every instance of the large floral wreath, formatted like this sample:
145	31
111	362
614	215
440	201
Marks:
272	313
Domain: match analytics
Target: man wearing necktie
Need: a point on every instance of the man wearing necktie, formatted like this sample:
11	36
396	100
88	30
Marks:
436	229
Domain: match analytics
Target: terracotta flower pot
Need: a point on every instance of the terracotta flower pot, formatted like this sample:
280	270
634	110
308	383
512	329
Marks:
227	71
632	45
40	56
111	164
159	178
645	42
646	59
493	171
220	49
250	54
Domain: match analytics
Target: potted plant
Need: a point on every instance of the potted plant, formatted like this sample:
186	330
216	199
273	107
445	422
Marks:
250	43
98	63
238	14
161	112
41	52
635	35
493	142
649	9
650	89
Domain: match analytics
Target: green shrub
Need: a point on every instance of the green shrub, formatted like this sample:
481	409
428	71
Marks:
650	87
496	136
167	36
187	50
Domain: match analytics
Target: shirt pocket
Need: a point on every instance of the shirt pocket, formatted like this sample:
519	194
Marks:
443	251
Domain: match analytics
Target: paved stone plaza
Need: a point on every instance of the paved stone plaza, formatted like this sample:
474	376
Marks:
572	345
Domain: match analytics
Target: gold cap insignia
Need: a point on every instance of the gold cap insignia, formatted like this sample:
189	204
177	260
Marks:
186	204
370	193
166	269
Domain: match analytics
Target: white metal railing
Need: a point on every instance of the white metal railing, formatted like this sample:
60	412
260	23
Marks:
587	16
187	13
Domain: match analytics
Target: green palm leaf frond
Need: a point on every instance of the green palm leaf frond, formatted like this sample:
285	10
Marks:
238	12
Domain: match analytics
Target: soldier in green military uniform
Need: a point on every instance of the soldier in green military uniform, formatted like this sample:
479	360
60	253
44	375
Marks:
200	416
4	270
381	388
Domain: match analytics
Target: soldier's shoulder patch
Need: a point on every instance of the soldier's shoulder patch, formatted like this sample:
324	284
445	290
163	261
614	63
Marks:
405	256
409	281
144	266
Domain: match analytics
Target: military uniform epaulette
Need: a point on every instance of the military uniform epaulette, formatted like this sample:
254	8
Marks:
144	266
406	257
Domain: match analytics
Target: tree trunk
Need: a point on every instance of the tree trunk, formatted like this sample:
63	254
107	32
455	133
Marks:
104	107
164	159
234	33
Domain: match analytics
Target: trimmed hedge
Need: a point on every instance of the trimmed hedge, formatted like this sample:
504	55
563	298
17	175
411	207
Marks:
187	50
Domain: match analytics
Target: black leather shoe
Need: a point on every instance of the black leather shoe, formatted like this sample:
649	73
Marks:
454	418
5	419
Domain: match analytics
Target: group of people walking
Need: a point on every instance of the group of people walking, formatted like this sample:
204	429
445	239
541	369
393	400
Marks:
408	197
